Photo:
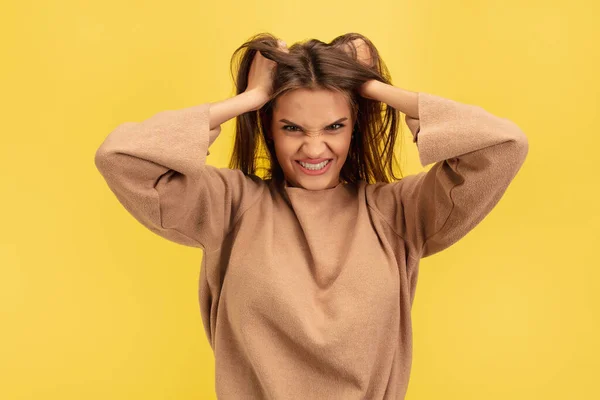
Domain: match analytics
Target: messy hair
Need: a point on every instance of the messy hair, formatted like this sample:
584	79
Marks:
313	64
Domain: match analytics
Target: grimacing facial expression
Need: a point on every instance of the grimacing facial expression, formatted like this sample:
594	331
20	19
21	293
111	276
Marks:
313	127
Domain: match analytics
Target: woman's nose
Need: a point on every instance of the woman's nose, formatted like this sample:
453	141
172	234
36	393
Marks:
315	146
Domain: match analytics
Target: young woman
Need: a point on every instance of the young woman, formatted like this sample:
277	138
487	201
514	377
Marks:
310	269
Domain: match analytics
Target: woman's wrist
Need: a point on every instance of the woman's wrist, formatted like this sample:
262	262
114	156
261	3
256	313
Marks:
402	100
369	89
256	98
222	111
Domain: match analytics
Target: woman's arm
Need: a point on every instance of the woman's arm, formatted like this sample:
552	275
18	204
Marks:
402	100
476	154
157	167
257	93
157	170
225	110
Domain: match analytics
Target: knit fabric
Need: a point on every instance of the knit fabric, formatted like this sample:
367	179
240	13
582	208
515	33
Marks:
307	294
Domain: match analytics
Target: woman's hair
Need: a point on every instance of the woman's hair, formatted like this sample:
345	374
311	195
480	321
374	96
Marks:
314	64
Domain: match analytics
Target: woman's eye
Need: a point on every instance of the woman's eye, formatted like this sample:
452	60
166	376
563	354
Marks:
339	126
292	128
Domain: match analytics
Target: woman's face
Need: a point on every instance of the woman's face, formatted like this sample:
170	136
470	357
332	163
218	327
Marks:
312	126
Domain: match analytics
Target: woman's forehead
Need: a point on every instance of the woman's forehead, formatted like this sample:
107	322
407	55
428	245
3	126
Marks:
312	106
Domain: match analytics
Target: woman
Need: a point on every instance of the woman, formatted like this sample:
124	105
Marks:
309	271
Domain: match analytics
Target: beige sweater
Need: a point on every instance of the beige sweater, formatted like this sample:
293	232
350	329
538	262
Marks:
307	294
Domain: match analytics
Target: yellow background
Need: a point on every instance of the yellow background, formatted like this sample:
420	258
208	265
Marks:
94	306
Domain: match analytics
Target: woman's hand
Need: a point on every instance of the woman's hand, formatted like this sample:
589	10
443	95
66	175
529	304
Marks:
370	89
363	54
260	76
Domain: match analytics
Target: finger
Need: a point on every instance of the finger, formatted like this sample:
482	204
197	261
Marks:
282	45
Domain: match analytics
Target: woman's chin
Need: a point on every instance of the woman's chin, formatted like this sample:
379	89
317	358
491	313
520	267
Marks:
319	182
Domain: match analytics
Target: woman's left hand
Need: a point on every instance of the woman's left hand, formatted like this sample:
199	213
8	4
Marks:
369	89
363	55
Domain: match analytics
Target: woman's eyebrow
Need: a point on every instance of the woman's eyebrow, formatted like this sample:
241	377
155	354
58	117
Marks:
292	123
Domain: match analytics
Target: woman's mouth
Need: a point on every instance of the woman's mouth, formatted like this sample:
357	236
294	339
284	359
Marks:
314	169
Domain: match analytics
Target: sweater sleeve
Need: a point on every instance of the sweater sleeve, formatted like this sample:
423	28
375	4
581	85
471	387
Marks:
157	170
476	156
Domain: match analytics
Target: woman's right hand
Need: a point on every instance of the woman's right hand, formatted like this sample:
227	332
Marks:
260	76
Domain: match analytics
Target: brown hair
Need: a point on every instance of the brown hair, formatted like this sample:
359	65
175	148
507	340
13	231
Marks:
314	64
